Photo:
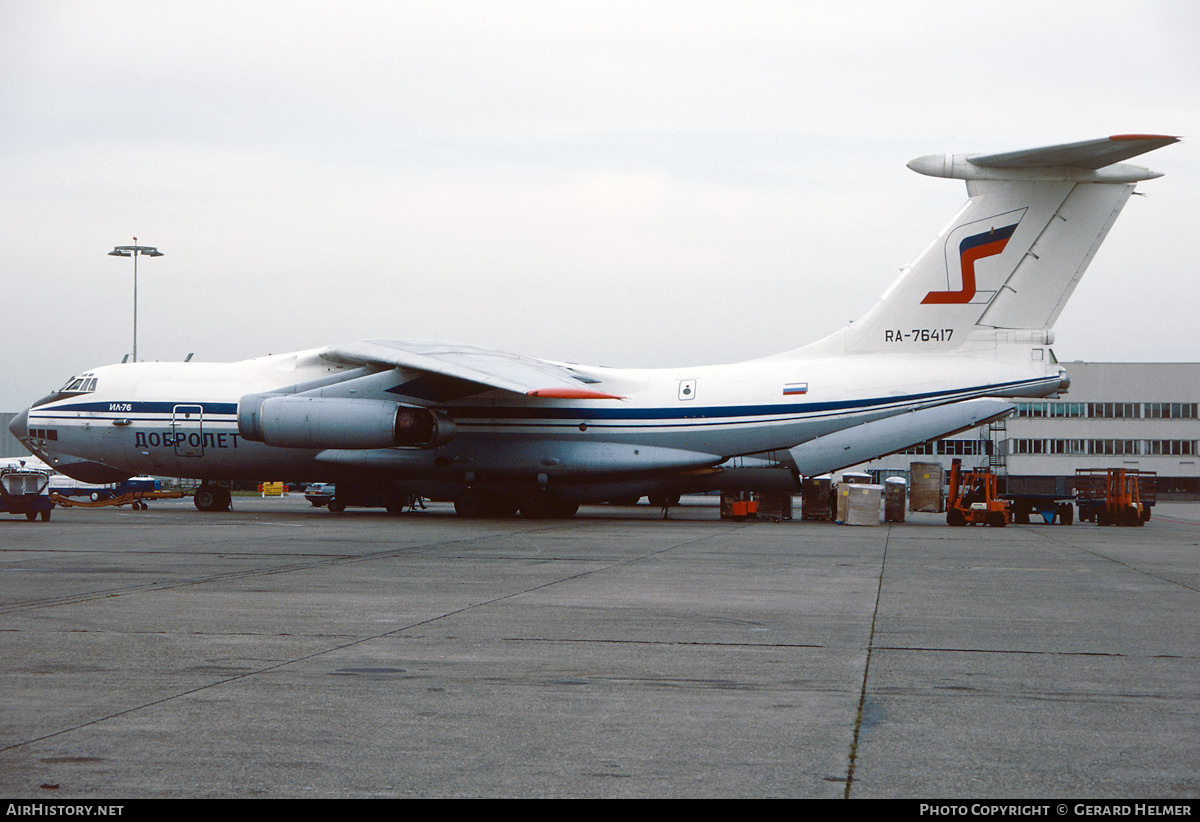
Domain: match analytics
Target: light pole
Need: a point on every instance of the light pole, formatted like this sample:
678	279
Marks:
134	251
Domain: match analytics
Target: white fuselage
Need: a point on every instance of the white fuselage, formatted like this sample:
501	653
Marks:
181	419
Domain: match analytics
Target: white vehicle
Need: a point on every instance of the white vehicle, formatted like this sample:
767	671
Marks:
23	491
966	327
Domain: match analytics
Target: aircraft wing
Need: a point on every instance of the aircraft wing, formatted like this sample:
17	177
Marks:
485	366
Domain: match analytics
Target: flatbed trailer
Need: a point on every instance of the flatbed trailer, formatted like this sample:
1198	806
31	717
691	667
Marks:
100	492
1050	507
136	499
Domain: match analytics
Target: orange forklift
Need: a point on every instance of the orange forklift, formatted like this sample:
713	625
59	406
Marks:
973	500
1114	496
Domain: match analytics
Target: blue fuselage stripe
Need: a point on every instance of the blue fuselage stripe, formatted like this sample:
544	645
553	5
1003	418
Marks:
701	415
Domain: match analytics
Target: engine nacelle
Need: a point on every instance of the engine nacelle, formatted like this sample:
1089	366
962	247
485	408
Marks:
322	422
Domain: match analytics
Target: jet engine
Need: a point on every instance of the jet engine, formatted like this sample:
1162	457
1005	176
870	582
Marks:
322	422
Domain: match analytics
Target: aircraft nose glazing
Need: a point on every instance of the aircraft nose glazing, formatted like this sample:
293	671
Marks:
20	424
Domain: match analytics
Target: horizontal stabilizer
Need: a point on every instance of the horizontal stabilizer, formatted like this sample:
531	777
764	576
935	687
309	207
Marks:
1089	161
1091	154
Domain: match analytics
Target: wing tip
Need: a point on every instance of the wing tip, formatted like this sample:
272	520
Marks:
1169	138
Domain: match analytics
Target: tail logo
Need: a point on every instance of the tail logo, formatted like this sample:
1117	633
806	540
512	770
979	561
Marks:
973	248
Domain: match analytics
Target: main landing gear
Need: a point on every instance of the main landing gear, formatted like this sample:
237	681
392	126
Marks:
212	497
536	503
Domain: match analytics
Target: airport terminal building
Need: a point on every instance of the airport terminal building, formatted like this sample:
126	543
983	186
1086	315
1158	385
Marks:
1115	415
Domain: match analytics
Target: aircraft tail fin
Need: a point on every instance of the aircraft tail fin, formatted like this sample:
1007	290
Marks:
1013	255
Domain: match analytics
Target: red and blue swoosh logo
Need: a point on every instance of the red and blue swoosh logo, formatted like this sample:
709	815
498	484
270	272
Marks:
973	248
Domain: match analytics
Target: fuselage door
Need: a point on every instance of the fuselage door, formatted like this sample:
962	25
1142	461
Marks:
187	426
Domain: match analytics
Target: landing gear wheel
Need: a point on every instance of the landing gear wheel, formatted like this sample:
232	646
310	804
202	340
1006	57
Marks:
500	507
545	505
469	504
475	503
212	498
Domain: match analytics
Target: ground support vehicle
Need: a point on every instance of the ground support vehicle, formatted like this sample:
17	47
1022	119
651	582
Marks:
738	505
1115	496
972	499
23	491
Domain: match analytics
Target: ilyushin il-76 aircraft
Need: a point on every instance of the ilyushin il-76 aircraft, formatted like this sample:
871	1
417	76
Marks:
964	330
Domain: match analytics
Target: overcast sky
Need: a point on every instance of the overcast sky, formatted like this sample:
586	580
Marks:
622	183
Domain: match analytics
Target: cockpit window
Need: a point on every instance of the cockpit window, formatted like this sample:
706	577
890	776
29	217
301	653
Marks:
79	385
83	384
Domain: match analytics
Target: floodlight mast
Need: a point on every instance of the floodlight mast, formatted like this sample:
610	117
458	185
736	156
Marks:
135	251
